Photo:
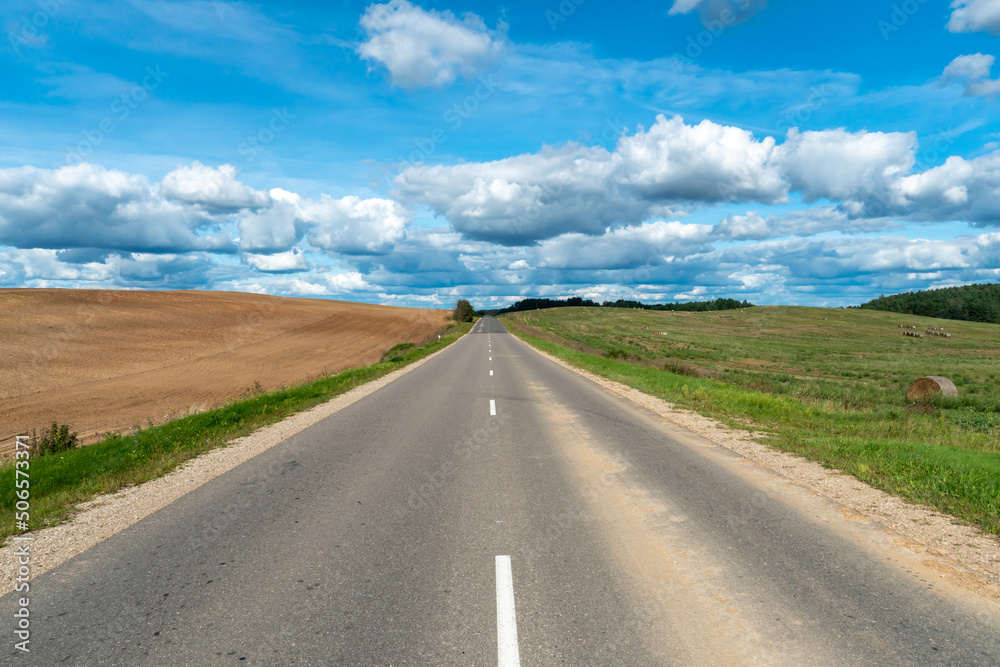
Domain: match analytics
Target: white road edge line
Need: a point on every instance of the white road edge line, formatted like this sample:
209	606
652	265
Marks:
507	653
493	408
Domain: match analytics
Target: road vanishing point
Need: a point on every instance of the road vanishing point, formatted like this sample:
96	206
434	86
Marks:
491	507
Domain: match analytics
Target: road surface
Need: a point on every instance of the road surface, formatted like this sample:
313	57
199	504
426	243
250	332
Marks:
491	507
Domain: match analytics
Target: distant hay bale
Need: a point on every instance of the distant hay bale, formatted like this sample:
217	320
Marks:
930	387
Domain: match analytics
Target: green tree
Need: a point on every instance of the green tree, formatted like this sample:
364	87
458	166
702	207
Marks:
463	311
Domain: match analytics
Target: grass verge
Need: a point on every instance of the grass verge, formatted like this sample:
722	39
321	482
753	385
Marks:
61	481
912	456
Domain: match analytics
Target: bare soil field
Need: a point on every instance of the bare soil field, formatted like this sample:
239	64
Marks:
104	360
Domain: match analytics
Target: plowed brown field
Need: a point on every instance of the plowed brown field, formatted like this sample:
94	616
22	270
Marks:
107	360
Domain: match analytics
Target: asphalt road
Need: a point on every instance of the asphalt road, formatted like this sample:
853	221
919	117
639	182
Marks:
373	537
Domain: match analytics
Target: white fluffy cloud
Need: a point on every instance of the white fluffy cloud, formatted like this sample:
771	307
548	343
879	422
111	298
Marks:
840	165
704	162
672	168
975	16
972	71
215	189
87	206
274	229
957	189
628	247
88	213
282	262
846	258
354	226
754	227
426	47
588	189
519	199
349	225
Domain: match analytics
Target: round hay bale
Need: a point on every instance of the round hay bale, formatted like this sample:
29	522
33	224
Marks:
930	387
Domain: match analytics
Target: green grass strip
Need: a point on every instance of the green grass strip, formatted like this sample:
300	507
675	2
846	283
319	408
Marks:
960	481
58	482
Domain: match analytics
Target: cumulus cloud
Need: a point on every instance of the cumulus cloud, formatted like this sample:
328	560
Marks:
673	168
975	16
327	284
214	189
840	165
292	261
178	271
627	247
350	225
744	227
426	47
527	197
274	229
831	259
582	189
958	189
12	273
704	162
972	71
754	227
87	206
87	213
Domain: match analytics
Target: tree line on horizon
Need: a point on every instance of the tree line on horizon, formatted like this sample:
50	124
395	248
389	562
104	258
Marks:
690	306
973	303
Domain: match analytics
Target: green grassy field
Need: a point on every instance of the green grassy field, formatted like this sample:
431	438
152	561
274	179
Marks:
829	384
58	482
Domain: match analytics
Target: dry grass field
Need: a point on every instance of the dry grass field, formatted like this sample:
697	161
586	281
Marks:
106	360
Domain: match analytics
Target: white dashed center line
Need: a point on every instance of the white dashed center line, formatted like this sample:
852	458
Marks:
507	653
493	408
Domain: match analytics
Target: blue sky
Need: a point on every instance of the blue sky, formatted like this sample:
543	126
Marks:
405	153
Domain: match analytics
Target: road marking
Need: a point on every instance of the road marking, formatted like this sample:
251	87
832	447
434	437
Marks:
493	408
491	358
507	653
491	372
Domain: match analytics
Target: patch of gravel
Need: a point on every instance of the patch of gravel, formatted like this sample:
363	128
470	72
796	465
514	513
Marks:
102	517
966	555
